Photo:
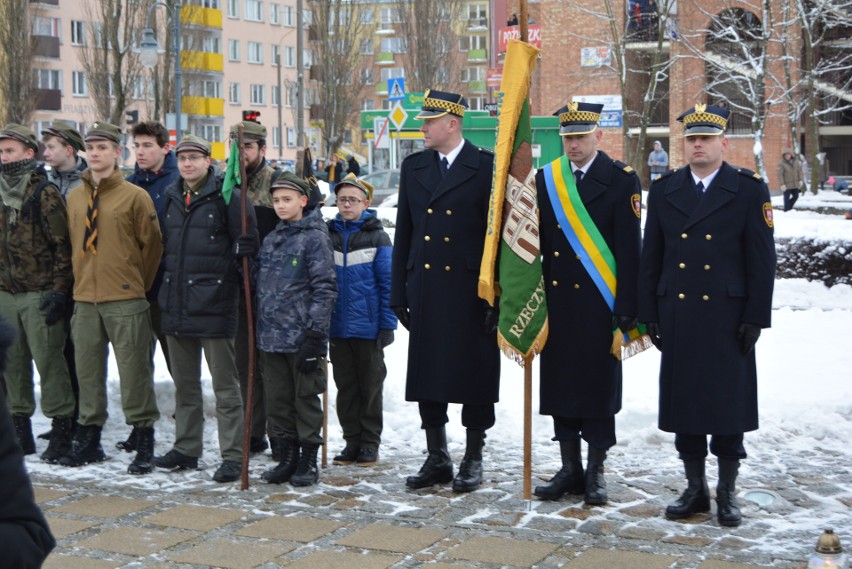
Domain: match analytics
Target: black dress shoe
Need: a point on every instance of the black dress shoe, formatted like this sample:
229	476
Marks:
174	460
347	456
228	471
368	456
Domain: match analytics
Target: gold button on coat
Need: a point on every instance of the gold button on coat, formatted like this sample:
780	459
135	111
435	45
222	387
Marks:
705	297
446	239
429	211
682	265
555	283
706	267
683	235
556	253
576	285
708	237
447	268
427	266
681	296
427	238
449	212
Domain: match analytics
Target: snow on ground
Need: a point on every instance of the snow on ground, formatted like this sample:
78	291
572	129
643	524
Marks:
804	364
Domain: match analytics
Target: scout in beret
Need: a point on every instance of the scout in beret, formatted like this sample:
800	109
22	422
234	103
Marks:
353	180
62	142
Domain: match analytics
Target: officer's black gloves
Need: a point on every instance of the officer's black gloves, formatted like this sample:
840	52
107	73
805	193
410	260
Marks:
385	338
53	303
245	246
747	334
402	315
310	352
654	332
625	323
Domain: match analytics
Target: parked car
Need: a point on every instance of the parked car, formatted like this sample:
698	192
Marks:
385	183
391	200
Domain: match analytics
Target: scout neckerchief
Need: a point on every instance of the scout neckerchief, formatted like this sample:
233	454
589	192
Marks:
589	245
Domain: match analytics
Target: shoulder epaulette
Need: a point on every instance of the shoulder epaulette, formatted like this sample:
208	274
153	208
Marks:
664	175
623	166
749	173
487	151
413	154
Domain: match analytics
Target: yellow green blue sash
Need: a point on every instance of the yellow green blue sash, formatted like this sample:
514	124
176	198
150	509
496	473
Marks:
579	229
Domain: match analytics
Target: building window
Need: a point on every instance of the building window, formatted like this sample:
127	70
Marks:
275	14
233	8
473	74
258	94
233	50
392	73
78	32
276	55
288	16
254	11
291	137
367	76
211	132
138	91
48	79
289	56
388	16
79	87
214	4
368	104
43	26
366	47
366	16
211	89
393	45
476	12
255	52
467	43
275	137
211	44
235	96
275	95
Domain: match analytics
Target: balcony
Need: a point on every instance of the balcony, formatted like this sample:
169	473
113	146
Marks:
202	61
477	87
315	73
382	88
385	29
47	2
477	25
48	99
385	58
312	33
207	17
205	106
477	56
46	46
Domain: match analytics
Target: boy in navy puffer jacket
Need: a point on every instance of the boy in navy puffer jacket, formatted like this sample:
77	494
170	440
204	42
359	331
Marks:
362	323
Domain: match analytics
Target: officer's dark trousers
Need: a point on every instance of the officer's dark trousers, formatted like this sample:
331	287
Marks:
599	432
691	447
433	414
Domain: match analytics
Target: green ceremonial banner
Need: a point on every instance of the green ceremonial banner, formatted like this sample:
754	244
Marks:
513	227
232	174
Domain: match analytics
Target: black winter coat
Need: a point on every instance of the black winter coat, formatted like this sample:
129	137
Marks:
707	266
579	376
200	291
440	233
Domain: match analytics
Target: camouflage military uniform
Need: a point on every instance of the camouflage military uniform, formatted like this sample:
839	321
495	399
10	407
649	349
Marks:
35	261
296	289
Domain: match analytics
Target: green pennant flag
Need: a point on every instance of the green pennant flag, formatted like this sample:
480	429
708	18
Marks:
232	174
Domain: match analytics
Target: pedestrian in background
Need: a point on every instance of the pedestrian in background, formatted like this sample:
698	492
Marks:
791	178
199	297
35	279
296	290
658	160
362	323
580	377
453	356
116	245
705	289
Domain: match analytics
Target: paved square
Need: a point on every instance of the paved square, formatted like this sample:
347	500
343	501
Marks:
393	538
71	562
104	506
716	564
344	560
135	541
596	558
62	527
505	551
299	529
200	518
43	494
231	554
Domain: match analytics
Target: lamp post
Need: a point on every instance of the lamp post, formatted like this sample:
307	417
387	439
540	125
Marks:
149	52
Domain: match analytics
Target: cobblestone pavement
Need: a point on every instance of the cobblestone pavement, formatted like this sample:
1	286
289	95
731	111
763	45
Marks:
366	518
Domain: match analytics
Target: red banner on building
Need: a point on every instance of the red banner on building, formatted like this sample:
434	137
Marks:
514	33
494	76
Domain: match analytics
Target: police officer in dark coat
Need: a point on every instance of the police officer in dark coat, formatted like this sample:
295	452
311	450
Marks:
580	378
440	232
706	278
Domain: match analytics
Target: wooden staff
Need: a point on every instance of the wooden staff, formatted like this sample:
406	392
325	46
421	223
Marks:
523	21
244	205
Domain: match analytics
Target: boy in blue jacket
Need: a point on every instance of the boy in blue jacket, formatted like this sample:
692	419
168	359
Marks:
362	323
296	289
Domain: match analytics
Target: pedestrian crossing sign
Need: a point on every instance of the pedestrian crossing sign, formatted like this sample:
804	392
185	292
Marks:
396	89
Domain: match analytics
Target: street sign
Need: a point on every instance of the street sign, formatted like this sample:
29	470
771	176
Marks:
380	130
396	89
397	116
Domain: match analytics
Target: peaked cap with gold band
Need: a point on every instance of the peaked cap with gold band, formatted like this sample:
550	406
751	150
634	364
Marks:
578	118
438	103
705	120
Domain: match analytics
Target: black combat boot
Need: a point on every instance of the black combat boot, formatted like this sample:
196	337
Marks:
289	449
696	498
277	446
85	447
348	455
470	470
130	444
438	468
24	431
143	463
570	477
727	509
60	439
595	481
307	473
258	444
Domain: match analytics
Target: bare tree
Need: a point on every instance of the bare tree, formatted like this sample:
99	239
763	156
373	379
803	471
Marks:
432	59
17	88
338	29
112	68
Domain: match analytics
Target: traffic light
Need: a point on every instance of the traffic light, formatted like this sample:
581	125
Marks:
251	116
